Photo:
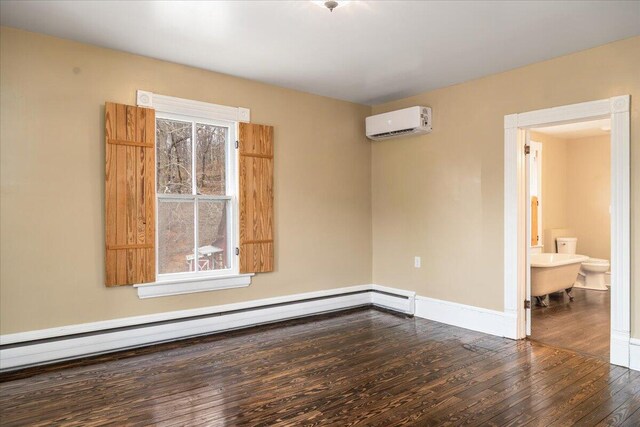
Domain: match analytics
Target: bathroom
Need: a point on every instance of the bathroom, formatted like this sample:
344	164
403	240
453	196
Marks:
570	229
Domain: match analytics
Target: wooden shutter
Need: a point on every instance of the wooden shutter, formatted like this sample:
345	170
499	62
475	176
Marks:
256	198
130	194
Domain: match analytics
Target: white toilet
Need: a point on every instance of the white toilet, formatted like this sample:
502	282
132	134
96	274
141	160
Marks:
592	272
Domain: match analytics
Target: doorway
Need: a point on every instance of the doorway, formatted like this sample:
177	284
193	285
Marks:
517	237
570	233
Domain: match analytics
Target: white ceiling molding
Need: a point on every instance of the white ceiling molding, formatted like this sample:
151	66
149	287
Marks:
188	107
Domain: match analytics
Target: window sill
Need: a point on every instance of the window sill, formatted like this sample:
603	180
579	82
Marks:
192	285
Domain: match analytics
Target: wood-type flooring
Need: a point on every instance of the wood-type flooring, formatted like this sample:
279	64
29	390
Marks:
358	367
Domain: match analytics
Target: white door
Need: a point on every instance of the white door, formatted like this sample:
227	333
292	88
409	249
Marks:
528	303
535	186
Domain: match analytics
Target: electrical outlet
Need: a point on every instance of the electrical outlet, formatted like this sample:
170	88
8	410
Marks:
416	262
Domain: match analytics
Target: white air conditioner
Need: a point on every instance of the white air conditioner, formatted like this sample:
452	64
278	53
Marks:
408	121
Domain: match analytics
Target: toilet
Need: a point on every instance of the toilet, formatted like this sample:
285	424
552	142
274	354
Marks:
592	274
592	271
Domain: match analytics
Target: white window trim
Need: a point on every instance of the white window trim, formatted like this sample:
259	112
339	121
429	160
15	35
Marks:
176	284
231	196
188	107
192	285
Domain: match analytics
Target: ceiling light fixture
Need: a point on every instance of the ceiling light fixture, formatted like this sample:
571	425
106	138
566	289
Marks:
331	4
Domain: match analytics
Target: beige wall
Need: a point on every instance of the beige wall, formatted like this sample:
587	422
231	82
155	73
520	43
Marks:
589	194
440	195
52	173
576	191
555	212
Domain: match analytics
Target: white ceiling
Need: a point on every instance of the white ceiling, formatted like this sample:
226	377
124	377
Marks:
578	129
365	51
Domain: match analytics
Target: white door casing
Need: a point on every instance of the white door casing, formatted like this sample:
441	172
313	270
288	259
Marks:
515	221
527	236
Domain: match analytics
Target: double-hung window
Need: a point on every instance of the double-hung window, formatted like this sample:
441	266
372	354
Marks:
188	196
196	191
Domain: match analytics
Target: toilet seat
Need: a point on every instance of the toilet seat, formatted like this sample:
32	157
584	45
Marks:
596	261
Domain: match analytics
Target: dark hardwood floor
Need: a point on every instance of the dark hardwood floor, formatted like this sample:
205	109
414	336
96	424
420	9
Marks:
361	367
581	325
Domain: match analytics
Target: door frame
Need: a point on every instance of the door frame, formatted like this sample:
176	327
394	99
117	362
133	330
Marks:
515	221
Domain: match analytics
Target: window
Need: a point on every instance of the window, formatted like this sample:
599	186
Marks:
196	188
180	192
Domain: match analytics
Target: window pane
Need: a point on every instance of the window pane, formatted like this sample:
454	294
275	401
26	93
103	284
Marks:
210	159
173	141
175	236
212	234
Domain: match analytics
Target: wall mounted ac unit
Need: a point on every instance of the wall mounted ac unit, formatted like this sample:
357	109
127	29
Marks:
408	121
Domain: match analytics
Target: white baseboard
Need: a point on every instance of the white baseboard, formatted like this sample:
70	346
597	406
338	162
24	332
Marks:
464	316
73	341
393	299
634	354
170	315
510	325
68	342
619	348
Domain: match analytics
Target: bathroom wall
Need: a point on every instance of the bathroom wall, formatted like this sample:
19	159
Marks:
588	182
576	191
554	185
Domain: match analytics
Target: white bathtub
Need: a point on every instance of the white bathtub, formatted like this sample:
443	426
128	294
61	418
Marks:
554	272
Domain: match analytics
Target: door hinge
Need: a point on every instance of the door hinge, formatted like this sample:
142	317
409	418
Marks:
237	251
527	304
527	149
237	144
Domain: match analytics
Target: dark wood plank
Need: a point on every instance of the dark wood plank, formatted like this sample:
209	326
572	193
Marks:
363	367
633	420
597	399
582	325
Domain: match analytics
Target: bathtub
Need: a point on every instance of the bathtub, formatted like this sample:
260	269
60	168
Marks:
554	272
